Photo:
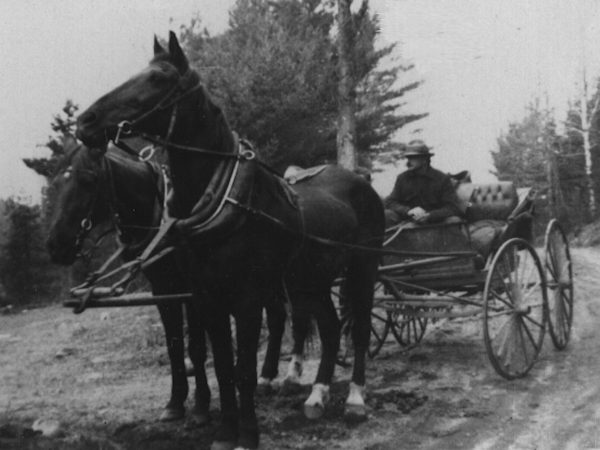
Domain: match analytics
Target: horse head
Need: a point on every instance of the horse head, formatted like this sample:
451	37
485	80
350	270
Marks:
79	200
144	102
164	103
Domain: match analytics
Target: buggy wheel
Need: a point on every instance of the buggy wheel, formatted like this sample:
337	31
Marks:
559	276
515	309
380	328
407	327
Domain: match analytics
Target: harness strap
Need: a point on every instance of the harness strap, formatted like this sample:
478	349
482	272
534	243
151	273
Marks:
162	231
333	243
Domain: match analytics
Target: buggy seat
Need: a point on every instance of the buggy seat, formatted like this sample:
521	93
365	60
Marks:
492	201
496	212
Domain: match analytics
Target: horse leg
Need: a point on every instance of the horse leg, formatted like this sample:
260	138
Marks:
300	330
358	288
248	326
329	331
218	327
276	316
172	320
197	352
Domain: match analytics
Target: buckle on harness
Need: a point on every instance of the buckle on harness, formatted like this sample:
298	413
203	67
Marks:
248	154
147	153
124	128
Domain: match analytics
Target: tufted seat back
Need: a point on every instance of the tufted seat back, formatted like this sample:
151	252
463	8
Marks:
491	201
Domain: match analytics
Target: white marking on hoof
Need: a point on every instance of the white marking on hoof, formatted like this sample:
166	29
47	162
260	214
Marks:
294	372
314	406
355	409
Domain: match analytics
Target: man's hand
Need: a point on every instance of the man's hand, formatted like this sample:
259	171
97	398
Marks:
418	214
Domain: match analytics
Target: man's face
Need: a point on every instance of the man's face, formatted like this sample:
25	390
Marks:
415	162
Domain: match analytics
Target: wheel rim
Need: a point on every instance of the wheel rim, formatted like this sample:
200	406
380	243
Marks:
515	309
559	273
380	328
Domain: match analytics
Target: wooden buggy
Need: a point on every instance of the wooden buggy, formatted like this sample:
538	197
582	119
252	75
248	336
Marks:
486	266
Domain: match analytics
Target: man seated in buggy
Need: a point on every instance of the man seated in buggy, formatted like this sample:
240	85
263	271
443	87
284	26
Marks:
488	214
421	194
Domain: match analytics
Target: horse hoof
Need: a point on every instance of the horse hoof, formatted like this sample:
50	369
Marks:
355	413
314	412
170	414
223	445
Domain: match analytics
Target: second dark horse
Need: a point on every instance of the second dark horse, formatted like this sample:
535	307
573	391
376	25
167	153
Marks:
246	232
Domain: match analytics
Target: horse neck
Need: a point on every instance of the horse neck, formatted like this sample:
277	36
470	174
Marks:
200	124
135	191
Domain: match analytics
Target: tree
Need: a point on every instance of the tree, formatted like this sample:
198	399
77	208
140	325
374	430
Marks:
533	154
521	154
24	266
587	108
346	134
274	72
62	124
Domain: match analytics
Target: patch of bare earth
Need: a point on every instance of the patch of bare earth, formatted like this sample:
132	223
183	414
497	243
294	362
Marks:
104	377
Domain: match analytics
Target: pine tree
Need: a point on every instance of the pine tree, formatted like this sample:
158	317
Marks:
274	71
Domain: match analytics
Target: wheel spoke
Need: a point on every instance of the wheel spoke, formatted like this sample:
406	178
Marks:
533	321
531	289
523	343
529	335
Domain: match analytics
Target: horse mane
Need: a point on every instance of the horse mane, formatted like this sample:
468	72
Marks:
223	131
205	102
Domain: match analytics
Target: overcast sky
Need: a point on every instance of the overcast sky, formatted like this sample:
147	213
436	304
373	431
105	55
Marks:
481	62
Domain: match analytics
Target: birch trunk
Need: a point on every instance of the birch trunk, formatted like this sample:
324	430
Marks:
586	121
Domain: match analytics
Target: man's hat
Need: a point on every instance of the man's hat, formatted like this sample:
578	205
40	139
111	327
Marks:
417	148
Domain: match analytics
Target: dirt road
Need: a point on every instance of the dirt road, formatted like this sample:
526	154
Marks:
102	378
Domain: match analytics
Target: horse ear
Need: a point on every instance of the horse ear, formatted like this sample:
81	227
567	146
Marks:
158	49
177	54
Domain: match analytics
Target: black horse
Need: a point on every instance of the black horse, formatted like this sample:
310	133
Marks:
246	232
92	189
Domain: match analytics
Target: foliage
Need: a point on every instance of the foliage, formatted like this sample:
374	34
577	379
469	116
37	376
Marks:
62	124
521	154
533	154
274	71
25	270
